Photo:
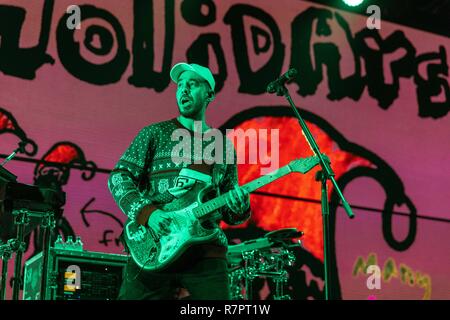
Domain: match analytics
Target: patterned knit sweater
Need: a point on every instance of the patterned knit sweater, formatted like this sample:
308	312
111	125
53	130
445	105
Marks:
157	168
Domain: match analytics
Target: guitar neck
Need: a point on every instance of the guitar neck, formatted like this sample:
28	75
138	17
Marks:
212	205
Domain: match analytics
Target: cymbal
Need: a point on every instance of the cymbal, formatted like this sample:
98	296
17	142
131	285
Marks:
286	233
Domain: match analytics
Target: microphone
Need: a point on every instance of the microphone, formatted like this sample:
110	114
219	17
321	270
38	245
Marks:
289	75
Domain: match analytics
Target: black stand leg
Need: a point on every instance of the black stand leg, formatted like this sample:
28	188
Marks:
21	221
249	274
47	225
326	234
6	252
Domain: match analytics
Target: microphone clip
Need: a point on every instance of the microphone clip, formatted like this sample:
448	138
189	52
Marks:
277	86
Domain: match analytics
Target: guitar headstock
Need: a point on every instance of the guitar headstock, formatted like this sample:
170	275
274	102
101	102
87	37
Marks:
305	164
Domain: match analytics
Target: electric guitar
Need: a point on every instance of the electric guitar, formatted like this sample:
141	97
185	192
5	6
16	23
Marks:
153	252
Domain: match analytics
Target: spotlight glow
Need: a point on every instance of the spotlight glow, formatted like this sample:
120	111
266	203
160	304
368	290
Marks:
353	3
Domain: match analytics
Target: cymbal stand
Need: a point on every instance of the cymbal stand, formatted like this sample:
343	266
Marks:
6	253
250	273
21	219
48	223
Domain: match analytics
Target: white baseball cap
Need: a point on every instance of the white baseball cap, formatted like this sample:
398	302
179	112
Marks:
203	72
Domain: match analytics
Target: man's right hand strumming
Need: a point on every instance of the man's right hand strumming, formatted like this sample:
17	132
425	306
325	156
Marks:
159	221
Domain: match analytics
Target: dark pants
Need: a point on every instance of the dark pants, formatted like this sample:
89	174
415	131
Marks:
206	279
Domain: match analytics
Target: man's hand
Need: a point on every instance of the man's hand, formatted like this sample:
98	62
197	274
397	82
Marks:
238	200
160	221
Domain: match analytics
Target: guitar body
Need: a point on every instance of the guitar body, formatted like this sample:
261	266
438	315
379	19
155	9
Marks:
155	253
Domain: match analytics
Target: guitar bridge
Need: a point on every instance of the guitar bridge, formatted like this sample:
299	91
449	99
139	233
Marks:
154	235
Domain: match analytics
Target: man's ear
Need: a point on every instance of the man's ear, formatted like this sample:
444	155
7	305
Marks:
211	96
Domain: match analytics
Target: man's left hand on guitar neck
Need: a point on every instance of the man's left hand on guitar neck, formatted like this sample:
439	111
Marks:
238	200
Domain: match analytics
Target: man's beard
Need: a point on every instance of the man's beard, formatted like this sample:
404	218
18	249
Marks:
191	112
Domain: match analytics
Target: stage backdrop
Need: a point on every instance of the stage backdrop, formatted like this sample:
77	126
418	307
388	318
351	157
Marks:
376	100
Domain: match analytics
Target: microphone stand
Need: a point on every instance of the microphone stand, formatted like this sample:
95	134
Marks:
20	148
324	175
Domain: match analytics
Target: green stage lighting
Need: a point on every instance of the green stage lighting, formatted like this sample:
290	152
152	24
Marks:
353	3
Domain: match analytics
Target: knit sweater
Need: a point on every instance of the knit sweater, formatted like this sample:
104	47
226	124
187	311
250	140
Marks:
157	168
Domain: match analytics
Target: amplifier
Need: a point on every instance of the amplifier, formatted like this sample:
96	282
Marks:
75	275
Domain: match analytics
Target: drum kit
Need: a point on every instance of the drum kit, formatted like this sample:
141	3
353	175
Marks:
265	257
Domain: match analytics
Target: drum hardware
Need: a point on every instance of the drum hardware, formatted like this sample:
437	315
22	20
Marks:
6	251
284	234
236	277
23	208
265	257
22	219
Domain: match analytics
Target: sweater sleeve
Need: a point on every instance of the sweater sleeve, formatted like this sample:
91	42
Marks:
123	182
229	180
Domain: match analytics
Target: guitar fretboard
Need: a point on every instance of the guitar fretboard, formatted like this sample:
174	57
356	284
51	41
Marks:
214	204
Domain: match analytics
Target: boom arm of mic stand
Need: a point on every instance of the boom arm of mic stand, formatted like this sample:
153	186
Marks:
328	172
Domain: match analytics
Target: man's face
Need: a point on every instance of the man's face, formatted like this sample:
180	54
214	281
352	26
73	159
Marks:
192	92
